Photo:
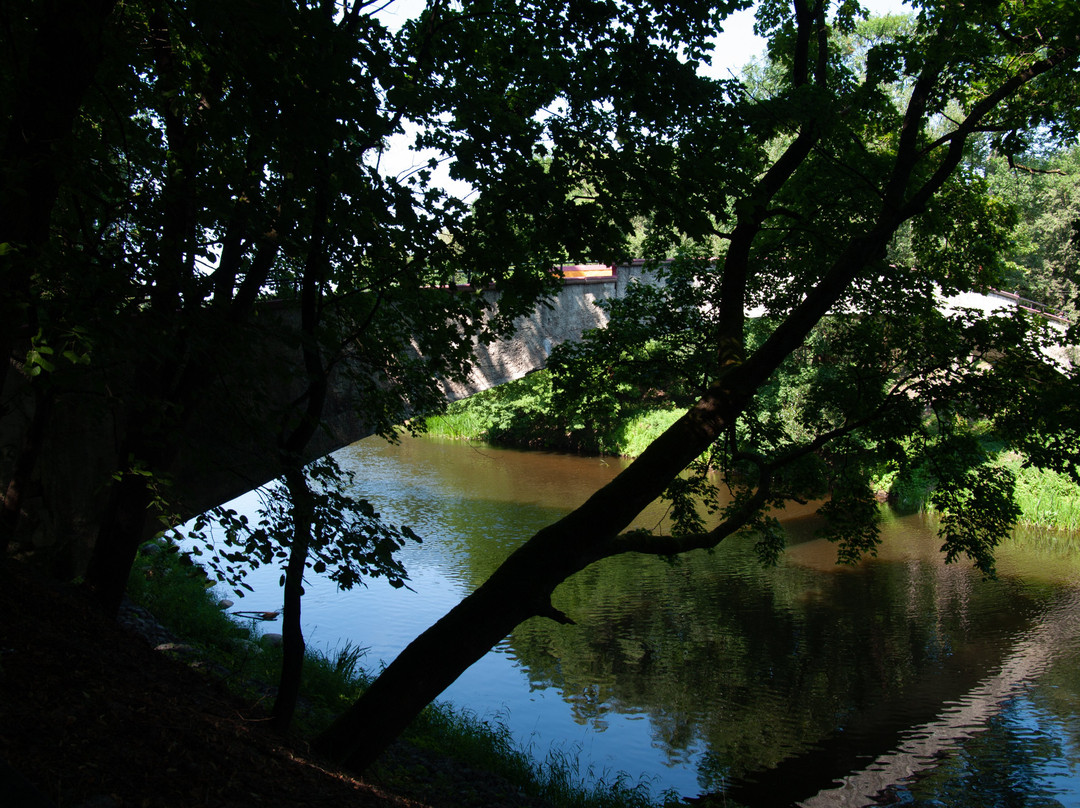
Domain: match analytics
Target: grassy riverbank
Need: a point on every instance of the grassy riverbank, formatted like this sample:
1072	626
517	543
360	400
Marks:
522	414
1046	498
447	758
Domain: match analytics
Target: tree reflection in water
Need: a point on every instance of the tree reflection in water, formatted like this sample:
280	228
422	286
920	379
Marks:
771	683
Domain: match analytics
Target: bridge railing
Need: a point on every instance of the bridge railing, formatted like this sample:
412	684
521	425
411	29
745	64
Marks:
1030	305
586	272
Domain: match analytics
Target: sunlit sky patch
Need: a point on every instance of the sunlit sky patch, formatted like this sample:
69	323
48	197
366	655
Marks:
735	47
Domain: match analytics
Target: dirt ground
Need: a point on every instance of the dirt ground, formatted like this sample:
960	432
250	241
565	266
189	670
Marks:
92	716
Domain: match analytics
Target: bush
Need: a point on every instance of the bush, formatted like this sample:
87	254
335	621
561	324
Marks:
521	414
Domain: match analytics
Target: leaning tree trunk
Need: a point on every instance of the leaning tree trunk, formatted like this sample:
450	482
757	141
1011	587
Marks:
519	589
522	586
435	659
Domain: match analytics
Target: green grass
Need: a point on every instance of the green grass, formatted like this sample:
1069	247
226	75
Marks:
180	596
457	423
909	492
177	593
488	745
637	430
1046	498
520	414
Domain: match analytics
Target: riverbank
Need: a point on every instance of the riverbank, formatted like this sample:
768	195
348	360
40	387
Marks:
174	712
519	415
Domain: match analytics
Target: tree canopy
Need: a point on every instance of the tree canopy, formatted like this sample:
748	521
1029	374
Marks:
193	200
191	191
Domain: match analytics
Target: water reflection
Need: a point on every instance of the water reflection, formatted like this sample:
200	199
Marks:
888	682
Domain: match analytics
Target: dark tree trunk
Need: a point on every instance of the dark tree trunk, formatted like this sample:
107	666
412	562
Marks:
292	662
24	467
65	54
292	447
123	529
432	662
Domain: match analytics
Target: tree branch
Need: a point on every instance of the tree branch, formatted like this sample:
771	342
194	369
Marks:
640	541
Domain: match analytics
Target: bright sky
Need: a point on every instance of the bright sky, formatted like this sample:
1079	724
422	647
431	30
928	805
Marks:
735	47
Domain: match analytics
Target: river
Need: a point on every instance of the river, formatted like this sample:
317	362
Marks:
900	680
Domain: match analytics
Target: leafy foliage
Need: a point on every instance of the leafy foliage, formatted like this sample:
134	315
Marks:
1041	187
888	375
978	511
349	541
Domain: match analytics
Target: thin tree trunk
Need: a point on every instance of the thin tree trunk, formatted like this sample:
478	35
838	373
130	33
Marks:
292	662
292	448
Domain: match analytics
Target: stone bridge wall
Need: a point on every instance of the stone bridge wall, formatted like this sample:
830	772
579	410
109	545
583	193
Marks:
572	312
227	449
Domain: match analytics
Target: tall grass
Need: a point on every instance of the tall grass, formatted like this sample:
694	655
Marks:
565	782
1047	498
638	429
458	423
180	597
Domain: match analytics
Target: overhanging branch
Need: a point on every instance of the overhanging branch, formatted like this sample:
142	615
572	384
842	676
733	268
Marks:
650	544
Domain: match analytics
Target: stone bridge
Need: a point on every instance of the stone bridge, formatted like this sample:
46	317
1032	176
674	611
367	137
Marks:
230	455
229	447
227	452
572	312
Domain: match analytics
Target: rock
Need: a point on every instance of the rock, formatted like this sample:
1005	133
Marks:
246	646
272	639
176	648
225	603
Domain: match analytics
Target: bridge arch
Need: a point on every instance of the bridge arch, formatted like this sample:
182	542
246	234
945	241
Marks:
227	452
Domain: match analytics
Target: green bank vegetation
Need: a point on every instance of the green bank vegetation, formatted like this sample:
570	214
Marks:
1045	497
523	414
526	414
179	595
